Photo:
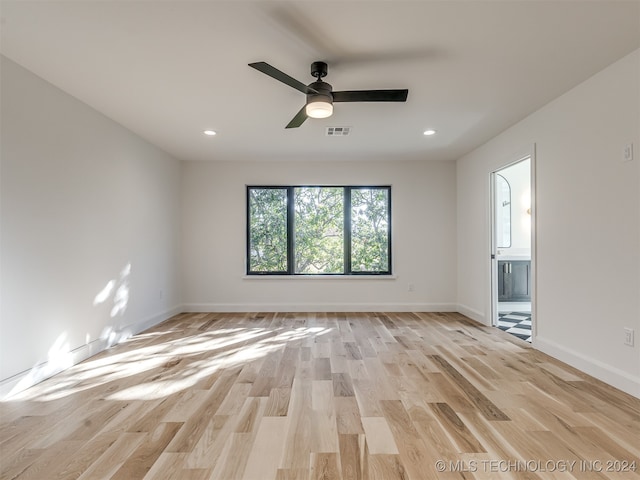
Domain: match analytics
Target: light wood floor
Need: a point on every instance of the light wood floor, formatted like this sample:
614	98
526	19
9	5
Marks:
321	396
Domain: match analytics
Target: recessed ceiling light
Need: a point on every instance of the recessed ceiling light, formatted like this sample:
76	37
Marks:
210	133
429	132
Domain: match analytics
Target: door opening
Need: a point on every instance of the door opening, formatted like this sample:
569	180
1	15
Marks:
511	248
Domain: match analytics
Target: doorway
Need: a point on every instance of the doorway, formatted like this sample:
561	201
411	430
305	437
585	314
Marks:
512	248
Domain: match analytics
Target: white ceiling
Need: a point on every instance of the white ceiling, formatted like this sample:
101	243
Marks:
168	70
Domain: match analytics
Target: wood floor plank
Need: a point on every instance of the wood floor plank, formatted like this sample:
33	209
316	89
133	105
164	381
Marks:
432	432
152	418
342	385
367	398
379	437
324	428
292	474
347	415
250	414
234	458
51	461
602	443
299	434
481	401
351	456
624	435
86	455
209	447
322	369
142	459
386	467
324	466
415	457
456	428
234	399
278	402
325	395
266	450
18	434
111	460
170	466
191	430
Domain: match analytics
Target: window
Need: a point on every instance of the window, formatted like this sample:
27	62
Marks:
318	230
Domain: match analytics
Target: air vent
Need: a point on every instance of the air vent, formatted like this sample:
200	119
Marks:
338	131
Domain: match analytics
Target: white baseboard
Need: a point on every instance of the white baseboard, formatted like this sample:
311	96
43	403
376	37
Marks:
622	380
611	375
472	314
23	380
320	307
155	319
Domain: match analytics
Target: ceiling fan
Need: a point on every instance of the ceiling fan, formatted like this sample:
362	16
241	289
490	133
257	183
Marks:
320	94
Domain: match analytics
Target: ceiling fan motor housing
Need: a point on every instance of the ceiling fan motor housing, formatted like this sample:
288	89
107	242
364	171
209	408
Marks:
324	92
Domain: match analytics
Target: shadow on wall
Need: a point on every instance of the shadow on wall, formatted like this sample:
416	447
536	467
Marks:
61	357
116	292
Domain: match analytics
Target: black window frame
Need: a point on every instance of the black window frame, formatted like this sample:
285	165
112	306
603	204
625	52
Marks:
290	228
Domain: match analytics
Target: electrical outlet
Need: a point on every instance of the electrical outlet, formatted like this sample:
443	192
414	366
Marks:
410	287
627	153
628	336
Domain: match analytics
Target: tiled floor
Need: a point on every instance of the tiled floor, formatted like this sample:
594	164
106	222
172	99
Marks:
516	323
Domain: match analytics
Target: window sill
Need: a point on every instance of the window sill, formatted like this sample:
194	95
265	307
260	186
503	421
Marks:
319	277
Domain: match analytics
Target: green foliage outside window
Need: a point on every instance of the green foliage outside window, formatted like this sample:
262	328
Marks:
318	230
268	227
369	230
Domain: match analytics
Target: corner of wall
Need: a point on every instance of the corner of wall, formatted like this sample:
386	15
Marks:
23	380
472	313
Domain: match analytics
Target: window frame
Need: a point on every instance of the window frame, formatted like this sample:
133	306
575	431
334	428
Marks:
290	229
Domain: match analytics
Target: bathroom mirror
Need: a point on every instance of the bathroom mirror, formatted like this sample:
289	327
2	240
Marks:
503	212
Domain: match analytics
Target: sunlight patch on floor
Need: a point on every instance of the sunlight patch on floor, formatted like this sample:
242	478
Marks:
200	356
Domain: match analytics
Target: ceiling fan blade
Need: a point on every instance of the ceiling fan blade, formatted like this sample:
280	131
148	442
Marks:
299	119
281	76
371	96
303	28
301	24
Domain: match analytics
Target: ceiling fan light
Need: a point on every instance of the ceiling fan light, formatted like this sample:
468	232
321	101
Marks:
319	109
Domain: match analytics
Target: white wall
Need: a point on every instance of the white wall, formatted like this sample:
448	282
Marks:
587	222
81	199
214	238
